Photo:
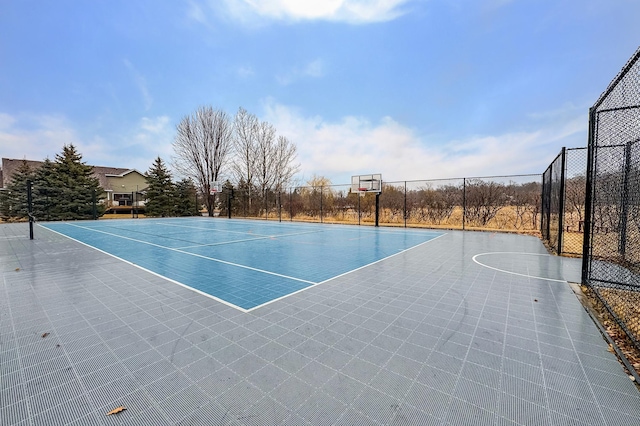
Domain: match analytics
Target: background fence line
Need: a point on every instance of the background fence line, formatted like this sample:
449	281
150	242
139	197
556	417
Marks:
507	203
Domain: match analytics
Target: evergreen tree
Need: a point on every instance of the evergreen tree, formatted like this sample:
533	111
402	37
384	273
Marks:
13	200
228	191
77	190
160	193
46	191
185	197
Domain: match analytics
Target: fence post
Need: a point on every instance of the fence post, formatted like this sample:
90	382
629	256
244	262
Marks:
624	215
377	207
279	206
586	242
464	202
563	165
94	207
542	210
405	203
359	208
30	209
290	206
321	190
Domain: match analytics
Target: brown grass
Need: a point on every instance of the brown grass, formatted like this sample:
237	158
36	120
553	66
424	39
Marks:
626	305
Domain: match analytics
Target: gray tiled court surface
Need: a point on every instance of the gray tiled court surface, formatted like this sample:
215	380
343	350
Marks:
428	337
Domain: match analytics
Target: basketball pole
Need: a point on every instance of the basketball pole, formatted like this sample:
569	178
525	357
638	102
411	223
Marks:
377	207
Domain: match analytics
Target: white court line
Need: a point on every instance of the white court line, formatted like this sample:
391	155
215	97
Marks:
266	237
312	284
345	273
514	273
211	296
195	255
327	226
222	243
211	229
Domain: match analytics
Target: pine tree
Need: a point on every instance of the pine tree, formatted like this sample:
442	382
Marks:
186	198
77	190
160	193
13	200
46	190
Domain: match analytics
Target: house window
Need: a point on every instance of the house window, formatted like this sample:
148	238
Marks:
122	199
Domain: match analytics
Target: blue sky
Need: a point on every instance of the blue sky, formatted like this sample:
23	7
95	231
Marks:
414	89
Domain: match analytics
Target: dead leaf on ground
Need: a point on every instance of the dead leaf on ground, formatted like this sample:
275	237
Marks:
116	410
17	269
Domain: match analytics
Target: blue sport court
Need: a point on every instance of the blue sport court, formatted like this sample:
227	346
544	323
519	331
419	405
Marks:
244	263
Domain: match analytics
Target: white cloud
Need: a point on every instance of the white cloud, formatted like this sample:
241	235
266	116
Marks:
245	72
6	121
349	11
34	137
314	69
157	125
196	13
141	83
355	145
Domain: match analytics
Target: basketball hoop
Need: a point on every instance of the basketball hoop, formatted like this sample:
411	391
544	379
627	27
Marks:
214	188
364	184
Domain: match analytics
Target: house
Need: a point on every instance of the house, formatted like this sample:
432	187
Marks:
123	188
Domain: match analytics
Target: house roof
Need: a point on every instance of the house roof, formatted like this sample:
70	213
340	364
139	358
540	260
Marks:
10	165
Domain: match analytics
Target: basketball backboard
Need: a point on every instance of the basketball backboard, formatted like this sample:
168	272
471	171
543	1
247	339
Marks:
214	188
367	183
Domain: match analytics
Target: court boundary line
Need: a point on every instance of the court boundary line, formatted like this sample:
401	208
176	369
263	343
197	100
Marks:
211	296
346	273
262	237
227	303
514	273
196	255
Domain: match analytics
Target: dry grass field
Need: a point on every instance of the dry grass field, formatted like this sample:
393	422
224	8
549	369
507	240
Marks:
626	305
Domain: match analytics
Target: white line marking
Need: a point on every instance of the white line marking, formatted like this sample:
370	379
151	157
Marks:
346	273
514	273
152	272
312	284
266	237
195	255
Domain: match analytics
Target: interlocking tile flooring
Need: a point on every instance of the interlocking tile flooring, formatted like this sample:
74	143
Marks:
428	337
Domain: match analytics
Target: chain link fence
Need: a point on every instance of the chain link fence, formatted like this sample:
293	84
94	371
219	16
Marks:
505	203
611	265
563	199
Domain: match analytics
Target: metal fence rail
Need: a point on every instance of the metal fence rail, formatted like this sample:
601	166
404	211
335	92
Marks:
611	265
508	203
563	198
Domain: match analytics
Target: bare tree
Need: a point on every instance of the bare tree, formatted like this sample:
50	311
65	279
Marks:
284	165
201	147
264	161
244	143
